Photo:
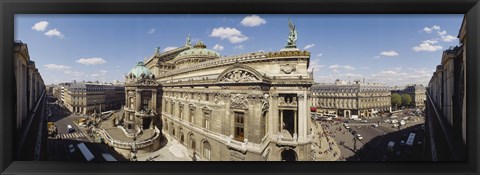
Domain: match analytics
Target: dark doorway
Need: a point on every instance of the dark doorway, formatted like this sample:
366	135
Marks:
289	155
146	122
288	120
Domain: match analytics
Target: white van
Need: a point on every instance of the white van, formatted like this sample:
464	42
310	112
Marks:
70	129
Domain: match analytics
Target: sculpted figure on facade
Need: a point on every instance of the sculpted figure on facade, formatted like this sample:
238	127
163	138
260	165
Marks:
239	76
238	101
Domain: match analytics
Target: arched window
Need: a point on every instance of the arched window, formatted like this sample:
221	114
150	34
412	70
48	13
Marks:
206	150
191	144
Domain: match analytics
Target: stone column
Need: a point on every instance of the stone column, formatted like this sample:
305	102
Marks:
302	103
273	114
154	100
295	123
137	99
281	121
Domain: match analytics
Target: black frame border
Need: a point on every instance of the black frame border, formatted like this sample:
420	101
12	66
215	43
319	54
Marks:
9	7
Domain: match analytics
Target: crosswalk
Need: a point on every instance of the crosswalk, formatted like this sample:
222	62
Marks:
70	136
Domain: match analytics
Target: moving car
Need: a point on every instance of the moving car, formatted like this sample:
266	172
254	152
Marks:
364	121
70	129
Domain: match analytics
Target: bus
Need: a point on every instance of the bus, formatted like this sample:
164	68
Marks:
108	157
409	143
85	151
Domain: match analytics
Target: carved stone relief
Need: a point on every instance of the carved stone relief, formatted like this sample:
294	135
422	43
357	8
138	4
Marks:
288	68
239	76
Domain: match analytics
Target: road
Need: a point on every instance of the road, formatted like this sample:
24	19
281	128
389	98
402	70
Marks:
58	146
373	146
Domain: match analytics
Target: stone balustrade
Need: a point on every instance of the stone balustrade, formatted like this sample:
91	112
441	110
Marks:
128	145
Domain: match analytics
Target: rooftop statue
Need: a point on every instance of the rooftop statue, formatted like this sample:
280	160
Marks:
292	36
157	50
187	43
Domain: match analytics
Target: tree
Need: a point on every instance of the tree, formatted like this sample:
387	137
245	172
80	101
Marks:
396	100
406	100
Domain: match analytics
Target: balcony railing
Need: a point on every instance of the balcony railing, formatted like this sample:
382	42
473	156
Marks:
30	137
436	121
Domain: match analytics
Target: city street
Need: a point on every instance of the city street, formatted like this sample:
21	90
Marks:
373	145
58	146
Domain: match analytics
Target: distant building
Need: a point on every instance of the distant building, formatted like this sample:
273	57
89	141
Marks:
347	99
30	113
417	92
83	98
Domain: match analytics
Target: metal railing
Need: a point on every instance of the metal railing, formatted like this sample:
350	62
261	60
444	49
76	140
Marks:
35	114
455	150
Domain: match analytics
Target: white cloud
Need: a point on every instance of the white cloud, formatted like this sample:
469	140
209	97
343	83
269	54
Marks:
56	66
377	57
315	65
103	71
364	67
336	67
169	48
398	76
252	21
74	73
319	55
389	53
429	30
308	46
445	37
428	46
239	47
232	34
94	75
40	26
91	61
151	31
54	32
218	47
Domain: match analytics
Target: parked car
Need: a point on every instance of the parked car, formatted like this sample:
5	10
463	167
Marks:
402	142
364	121
71	149
375	125
423	127
354	132
359	137
387	121
395	125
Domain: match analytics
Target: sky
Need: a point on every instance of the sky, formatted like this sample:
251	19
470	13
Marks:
394	50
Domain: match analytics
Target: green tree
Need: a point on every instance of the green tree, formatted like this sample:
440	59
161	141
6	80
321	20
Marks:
396	100
406	100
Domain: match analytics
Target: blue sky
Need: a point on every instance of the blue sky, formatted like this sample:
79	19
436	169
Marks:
388	49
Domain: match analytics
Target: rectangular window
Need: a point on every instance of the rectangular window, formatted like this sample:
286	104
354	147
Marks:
239	126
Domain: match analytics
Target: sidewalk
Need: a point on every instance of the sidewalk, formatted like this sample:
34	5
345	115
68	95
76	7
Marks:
324	148
172	151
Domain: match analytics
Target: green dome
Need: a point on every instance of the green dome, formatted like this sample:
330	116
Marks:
199	50
140	69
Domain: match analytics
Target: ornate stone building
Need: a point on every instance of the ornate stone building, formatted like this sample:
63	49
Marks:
346	99
252	106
